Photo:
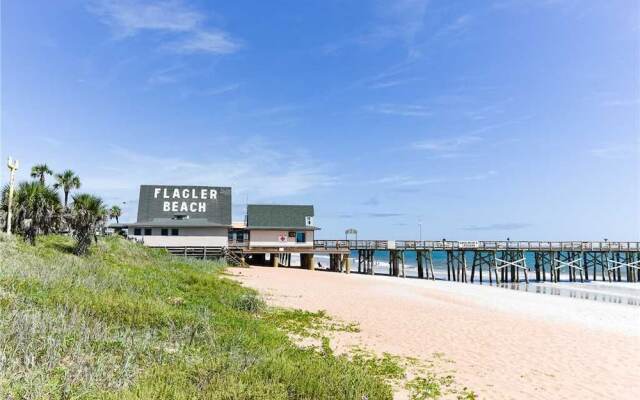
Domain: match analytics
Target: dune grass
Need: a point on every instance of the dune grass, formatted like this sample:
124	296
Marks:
307	323
128	322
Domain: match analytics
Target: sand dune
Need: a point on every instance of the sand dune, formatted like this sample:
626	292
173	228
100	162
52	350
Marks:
506	344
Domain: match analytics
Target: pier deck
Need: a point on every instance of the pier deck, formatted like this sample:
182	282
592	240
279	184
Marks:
456	245
504	261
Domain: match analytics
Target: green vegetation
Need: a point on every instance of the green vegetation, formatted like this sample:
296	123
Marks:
128	322
429	379
428	386
66	180
115	212
433	380
36	209
306	323
387	367
423	379
40	171
86	215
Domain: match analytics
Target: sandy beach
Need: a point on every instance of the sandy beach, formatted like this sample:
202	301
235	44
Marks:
505	344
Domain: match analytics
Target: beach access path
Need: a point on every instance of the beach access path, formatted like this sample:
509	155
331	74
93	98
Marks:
505	344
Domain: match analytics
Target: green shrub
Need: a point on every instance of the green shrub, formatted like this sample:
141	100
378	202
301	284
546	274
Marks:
248	303
128	322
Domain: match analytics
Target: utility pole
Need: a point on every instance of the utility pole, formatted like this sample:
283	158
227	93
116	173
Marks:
13	167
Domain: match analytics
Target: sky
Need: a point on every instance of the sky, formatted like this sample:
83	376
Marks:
404	119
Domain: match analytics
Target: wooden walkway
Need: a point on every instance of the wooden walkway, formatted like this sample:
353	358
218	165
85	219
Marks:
466	261
503	261
476	245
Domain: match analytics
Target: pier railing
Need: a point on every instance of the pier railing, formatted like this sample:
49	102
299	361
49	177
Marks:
476	245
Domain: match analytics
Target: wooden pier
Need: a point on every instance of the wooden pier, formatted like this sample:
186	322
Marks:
499	261
503	261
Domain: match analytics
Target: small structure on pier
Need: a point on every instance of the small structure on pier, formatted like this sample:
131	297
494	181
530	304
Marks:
289	226
280	230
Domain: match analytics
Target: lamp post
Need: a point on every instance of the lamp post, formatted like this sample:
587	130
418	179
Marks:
13	167
351	231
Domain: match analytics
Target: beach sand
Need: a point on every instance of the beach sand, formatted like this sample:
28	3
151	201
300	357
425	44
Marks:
505	344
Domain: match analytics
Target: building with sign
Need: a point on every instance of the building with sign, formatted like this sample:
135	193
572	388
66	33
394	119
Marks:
182	216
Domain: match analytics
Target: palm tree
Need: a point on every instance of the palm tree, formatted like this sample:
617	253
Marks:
40	171
114	213
87	214
67	180
37	209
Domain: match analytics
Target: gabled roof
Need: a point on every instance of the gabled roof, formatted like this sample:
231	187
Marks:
264	216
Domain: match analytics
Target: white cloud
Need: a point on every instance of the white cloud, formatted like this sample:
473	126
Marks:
457	146
458	26
166	75
397	20
480	176
401	18
411	181
404	180
256	169
396	82
446	144
505	4
221	90
129	17
206	42
404	110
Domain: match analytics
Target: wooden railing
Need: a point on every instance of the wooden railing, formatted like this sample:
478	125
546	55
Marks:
476	245
238	244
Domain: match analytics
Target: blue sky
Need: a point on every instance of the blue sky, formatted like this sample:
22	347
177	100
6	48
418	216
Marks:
481	120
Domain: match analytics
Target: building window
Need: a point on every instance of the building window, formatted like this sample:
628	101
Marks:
137	231
308	221
292	235
147	231
164	232
174	232
301	237
237	236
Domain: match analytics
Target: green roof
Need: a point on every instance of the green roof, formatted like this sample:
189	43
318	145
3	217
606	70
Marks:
278	216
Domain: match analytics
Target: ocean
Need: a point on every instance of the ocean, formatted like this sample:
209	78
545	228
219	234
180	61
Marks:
593	290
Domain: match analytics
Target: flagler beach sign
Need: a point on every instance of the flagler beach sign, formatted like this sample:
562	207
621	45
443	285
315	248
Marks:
184	200
201	202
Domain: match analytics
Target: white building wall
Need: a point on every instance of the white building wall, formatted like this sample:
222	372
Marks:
196	237
273	238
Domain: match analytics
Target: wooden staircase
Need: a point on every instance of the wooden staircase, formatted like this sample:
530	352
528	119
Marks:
233	258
